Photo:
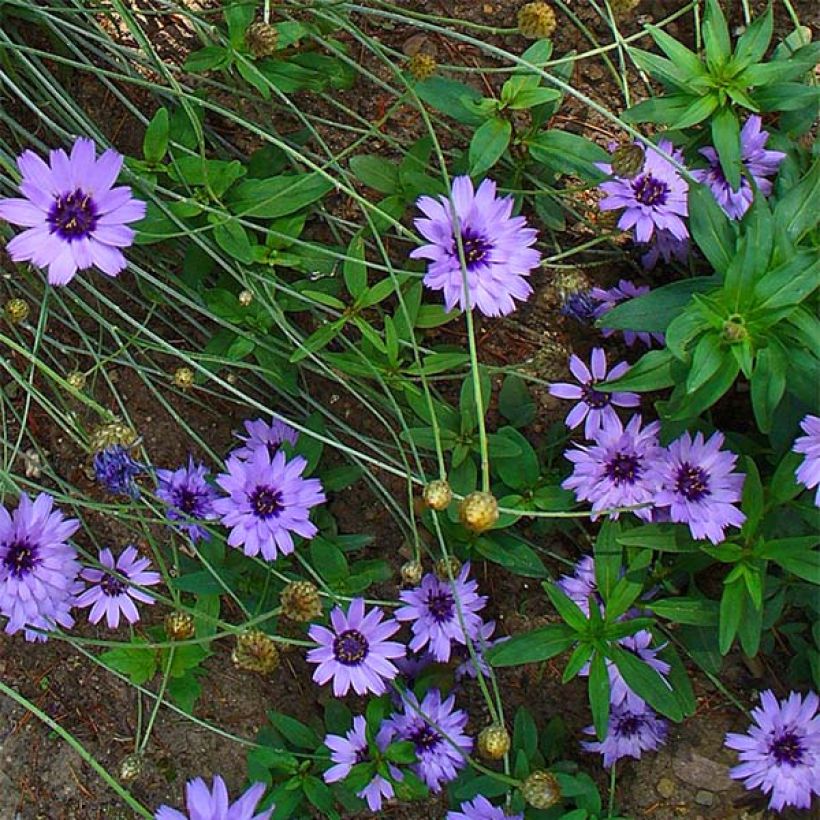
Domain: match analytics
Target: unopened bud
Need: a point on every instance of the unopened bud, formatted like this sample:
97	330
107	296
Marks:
437	495
111	434
448	567
536	21
16	311
184	378
255	652
493	742
541	790
412	573
76	379
179	626
261	39
422	66
245	298
735	330
300	601
131	767
628	160
478	511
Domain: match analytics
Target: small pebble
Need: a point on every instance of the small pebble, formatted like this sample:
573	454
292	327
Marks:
704	798
665	788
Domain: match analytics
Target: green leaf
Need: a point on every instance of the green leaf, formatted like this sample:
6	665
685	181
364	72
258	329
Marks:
788	284
155	141
608	558
531	647
402	751
488	145
661	537
689	405
787	97
750	628
566	153
375	172
571	613
693	611
320	796
508	551
522	472
679	54
185	691
653	371
716	35
599	692
515	402
206	59
238	15
279	195
698	111
752	44
796	555
711	228
531	97
525	733
294	732
646	683
706	359
796	212
768	385
732	606
354	268
447	96
317	340
329	560
233	239
138	663
667	109
662	69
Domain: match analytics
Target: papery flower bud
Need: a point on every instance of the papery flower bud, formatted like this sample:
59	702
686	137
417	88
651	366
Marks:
184	378
261	39
179	626
300	601
536	21
412	573
448	567
628	160
493	742
245	298
131	767
478	511
422	66
541	790
111	434
16	311
255	652
76	379
437	495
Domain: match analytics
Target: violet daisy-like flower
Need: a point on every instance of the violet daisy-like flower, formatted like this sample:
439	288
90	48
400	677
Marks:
74	218
699	487
653	200
607	299
497	248
758	162
356	651
203	803
481	809
114	588
38	567
620	468
116	470
262	434
579	586
189	496
664	245
631	732
808	473
267	501
353	748
780	754
436	729
433	607
593	405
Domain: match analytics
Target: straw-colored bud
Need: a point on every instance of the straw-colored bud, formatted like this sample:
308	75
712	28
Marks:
493	742
179	626
110	434
628	160
478	511
245	298
184	378
412	573
437	495
536	21
541	790
131	767
447	568
621	8
300	601
262	39
422	66
76	379
16	311
255	652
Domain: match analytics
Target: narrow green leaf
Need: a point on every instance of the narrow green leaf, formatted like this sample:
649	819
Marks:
531	647
155	141
376	172
653	371
726	139
711	228
732	606
646	683
599	692
488	145
752	44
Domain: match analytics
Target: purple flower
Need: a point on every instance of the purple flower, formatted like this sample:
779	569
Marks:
437	730
412	664
203	804
781	751
808	473
74	218
267	501
356	652
38	567
640	645
496	245
653	200
759	163
699	486
581	306
619	469
481	809
111	594
269	436
631	731
437	609
353	748
664	245
189	496
116	470
622	292
579	586
470	668
593	405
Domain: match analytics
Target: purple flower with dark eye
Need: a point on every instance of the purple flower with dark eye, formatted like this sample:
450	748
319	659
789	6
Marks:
189	496
267	501
699	487
619	468
780	754
353	748
481	809
442	613
808	473
356	651
73	215
593	405
653	200
203	803
114	588
116	470
579	586
759	163
622	292
631	732
437	731
497	248
262	434
664	245
38	567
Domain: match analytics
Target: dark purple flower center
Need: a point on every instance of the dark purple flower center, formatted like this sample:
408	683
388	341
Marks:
351	647
111	586
787	748
625	468
475	247
73	216
425	738
692	482
21	558
650	191
187	500
266	502
441	605
594	398
580	306
629	725
361	754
